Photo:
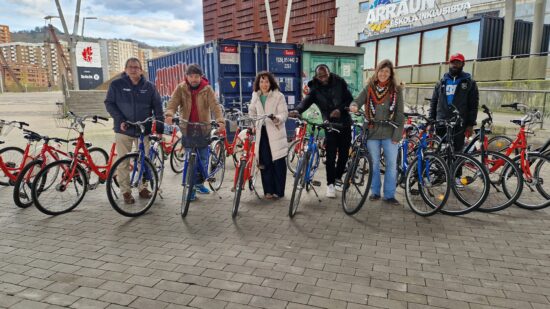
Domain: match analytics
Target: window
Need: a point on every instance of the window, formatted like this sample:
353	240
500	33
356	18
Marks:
387	49
434	46
370	55
465	40
409	49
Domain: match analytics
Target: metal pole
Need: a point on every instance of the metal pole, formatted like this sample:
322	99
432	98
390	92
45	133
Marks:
538	24
83	24
509	21
1	79
543	111
269	21
240	77
287	20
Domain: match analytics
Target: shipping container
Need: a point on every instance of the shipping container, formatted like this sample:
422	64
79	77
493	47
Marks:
231	67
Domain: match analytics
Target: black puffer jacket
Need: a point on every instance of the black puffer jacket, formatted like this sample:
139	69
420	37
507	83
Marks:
466	100
334	95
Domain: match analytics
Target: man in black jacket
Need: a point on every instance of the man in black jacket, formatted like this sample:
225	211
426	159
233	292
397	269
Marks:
456	90
331	94
132	98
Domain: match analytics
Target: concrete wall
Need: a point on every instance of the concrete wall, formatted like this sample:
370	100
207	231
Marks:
87	102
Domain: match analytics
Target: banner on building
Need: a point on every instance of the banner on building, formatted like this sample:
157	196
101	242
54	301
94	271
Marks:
88	55
89	78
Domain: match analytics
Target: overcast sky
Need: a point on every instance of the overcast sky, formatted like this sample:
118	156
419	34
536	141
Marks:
156	22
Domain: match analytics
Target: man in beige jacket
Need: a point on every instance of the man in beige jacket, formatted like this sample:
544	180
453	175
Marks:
195	101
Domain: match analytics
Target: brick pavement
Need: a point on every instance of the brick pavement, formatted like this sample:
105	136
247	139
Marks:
383	257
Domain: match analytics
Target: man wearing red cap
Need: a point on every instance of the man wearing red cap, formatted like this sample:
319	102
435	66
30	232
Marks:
456	90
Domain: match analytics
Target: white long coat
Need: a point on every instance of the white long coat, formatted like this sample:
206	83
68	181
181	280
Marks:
275	104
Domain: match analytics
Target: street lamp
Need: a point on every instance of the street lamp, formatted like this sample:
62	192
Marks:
49	18
83	23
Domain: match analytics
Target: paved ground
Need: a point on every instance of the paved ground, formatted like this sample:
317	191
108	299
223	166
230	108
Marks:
383	257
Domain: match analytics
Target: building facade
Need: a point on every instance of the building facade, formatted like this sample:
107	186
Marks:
5	36
114	54
311	21
36	62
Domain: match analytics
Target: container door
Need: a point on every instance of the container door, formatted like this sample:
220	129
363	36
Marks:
348	69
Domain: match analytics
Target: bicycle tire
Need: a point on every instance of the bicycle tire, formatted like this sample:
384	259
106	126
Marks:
188	185
505	173
158	162
216	159
300	182
238	189
456	166
104	159
22	189
357	167
118	203
4	179
177	157
500	143
292	156
537	161
80	178
434	173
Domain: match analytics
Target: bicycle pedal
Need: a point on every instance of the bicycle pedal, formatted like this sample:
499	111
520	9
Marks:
211	179
93	187
316	183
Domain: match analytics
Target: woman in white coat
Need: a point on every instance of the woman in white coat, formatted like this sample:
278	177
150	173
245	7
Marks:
271	140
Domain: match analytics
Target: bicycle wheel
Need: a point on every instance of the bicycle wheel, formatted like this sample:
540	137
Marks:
499	143
132	175
239	186
427	185
22	196
357	183
216	165
100	158
177	156
300	182
536	190
65	194
188	184
158	161
469	184
12	157
501	169
292	155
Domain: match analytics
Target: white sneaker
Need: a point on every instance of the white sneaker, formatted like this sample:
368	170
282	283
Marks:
331	193
339	185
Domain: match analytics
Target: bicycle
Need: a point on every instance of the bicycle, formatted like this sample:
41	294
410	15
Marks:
359	170
499	166
196	135
534	165
471	189
12	159
140	168
247	170
308	163
72	175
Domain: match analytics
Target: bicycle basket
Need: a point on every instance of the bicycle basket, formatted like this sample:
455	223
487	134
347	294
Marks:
195	135
62	120
5	129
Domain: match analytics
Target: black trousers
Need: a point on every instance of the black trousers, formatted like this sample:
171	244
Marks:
273	172
337	143
458	139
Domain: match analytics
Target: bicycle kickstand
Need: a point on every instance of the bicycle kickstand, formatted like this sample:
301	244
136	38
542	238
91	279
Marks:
314	191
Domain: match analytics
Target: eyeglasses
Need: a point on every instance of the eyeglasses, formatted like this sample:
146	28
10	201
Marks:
131	67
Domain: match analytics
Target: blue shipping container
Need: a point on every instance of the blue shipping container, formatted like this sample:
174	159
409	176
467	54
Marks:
231	67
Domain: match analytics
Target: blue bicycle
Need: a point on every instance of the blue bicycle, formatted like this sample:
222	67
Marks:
427	180
308	163
136	170
195	136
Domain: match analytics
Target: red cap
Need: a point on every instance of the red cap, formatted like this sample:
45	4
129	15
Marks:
457	57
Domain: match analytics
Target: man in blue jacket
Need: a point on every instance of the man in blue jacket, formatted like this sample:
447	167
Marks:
457	90
132	98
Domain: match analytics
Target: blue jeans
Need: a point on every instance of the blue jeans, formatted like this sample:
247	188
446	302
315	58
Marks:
203	156
390	159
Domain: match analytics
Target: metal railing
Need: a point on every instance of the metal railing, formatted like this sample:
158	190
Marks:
517	67
493	98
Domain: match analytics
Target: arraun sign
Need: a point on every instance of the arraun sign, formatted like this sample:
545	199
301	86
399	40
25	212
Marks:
386	14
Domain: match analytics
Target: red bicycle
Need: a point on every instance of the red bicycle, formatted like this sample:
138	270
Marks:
533	164
297	146
70	177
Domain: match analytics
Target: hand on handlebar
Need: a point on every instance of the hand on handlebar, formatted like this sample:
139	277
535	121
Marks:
123	126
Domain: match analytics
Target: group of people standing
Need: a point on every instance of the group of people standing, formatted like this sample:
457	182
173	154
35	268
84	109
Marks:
132	98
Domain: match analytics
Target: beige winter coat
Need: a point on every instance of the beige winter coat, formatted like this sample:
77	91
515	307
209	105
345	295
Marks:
275	104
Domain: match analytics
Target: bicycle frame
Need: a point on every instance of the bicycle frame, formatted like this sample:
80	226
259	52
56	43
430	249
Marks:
81	151
11	172
47	150
249	153
521	143
167	146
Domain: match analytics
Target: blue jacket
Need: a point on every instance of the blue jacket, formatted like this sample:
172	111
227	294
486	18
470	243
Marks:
128	102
